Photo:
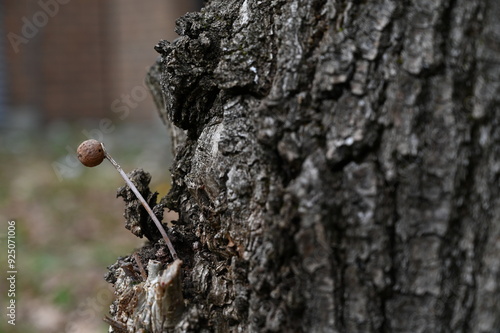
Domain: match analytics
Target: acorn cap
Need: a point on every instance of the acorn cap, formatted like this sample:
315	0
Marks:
90	153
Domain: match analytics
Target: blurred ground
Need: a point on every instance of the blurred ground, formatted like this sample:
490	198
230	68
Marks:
69	223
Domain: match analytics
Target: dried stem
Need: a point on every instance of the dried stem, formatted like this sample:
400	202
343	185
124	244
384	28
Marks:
143	202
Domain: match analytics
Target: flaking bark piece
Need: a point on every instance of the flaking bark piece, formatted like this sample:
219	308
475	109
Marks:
137	219
154	305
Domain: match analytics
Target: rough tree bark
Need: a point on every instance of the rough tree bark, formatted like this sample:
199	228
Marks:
336	165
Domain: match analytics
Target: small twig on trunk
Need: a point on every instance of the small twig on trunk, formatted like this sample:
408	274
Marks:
91	153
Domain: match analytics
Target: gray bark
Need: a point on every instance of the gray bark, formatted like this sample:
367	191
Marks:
336	166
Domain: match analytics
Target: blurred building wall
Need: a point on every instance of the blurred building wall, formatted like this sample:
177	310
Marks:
83	58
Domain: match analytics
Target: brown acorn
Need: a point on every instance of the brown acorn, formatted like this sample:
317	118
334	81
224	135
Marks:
90	153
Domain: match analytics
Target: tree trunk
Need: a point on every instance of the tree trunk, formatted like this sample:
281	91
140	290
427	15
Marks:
336	165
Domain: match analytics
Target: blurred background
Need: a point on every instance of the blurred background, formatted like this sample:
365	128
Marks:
71	70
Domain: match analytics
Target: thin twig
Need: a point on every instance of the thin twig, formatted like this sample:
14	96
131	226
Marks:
143	202
115	324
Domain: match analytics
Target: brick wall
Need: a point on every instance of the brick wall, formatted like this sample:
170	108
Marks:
84	58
